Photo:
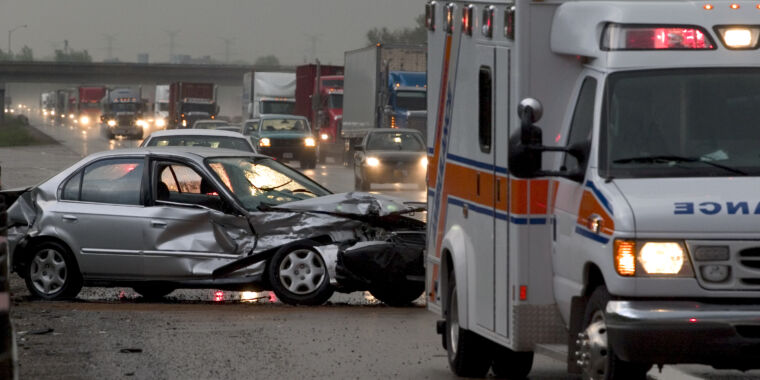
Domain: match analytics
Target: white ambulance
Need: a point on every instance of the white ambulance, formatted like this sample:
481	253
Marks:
625	222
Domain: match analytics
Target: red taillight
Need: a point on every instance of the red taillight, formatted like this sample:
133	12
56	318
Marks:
523	292
634	37
218	296
487	28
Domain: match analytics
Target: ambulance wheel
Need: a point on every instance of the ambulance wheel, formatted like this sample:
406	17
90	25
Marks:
298	275
597	360
399	295
511	365
468	353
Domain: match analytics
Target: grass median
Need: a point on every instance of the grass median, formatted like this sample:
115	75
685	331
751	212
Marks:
16	132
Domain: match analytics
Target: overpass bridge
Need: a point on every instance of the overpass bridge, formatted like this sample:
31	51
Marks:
127	73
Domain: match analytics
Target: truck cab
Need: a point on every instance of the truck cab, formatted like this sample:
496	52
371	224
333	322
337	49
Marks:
407	101
122	113
593	184
329	116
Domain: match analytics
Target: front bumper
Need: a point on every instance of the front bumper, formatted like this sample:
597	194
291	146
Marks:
393	172
669	332
288	152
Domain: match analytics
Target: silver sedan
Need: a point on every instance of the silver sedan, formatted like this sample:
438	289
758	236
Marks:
158	219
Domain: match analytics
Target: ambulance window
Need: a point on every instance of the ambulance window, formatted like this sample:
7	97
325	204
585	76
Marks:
485	85
583	121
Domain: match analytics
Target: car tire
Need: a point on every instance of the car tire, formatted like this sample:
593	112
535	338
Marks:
399	295
298	275
153	292
602	363
511	365
52	272
469	354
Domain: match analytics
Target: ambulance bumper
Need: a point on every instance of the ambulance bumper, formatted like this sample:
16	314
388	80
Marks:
668	332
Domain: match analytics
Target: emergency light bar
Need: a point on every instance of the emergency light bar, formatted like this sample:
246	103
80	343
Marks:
655	37
487	27
738	37
450	18
509	22
430	15
467	19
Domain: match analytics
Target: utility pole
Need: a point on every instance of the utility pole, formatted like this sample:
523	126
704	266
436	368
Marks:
227	43
110	38
10	33
172	35
314	38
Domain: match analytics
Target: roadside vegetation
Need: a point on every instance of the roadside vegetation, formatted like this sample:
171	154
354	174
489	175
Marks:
16	131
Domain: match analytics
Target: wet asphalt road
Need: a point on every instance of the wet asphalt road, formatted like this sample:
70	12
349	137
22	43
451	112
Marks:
204	334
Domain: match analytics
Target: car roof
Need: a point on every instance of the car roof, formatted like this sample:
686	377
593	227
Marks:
193	153
279	116
394	130
195	132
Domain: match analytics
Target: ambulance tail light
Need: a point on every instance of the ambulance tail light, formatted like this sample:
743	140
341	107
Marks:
739	37
648	37
467	19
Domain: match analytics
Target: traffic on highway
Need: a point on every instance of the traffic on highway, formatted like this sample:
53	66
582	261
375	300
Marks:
513	189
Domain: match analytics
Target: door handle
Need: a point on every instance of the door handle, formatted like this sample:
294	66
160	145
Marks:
157	224
69	218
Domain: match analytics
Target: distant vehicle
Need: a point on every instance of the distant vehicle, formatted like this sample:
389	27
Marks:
390	156
286	137
250	126
161	106
189	102
122	113
47	104
385	87
209	124
88	105
208	138
319	97
65	105
159	219
231	128
268	93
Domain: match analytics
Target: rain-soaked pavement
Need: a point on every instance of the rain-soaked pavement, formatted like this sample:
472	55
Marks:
109	333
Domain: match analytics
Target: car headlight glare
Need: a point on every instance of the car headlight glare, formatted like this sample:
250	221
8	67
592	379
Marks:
160	123
373	162
84	120
309	141
111	123
324	136
424	162
265	142
662	257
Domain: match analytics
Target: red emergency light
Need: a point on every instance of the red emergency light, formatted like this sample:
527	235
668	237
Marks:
487	28
450	18
509	22
467	19
649	37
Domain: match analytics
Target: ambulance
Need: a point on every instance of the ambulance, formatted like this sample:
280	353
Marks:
594	185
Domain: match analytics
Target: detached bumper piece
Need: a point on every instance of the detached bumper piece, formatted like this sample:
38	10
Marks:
669	332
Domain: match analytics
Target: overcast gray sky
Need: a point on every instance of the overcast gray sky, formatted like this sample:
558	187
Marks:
260	27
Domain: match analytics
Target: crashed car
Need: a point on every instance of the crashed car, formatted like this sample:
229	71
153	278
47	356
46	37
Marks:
159	219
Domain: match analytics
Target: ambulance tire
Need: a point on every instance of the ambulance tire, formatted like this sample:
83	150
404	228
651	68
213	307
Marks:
469	354
511	365
614	367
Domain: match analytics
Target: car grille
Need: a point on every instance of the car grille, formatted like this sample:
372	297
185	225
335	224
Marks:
286	143
125	120
741	258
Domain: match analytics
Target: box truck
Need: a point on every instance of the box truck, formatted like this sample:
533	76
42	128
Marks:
268	93
190	102
319	98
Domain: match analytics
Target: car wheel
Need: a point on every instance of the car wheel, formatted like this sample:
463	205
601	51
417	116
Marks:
469	354
596	358
52	272
398	295
153	292
511	365
298	275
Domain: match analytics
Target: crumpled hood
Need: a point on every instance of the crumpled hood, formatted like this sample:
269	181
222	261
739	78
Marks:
694	205
355	204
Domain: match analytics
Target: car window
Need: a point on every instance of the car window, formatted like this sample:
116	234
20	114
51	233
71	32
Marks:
405	141
222	142
71	188
116	181
250	127
182	184
284	125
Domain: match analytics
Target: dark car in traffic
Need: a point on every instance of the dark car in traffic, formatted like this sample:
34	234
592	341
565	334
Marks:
390	156
286	137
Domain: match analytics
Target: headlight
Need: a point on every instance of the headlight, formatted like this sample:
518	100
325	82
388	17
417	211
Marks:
52	112
651	258
142	123
309	141
71	116
324	136
111	123
84	120
160	123
424	162
45	113
373	161
265	142
184	123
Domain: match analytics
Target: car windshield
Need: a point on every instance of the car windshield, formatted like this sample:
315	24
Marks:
209	124
411	100
335	101
202	141
682	123
124	107
284	125
405	141
259	183
277	107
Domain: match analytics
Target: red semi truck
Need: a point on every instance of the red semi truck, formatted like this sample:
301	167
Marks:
319	97
88	106
190	102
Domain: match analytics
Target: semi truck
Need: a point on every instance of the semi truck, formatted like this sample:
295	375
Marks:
268	93
593	177
161	106
47	104
319	98
385	87
65	105
122	112
190	102
88	105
